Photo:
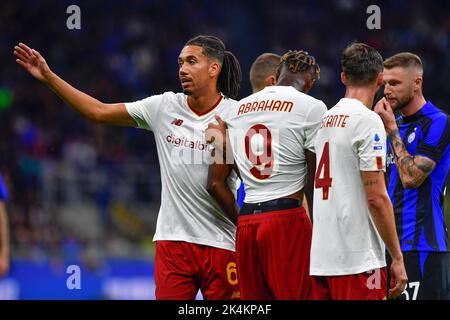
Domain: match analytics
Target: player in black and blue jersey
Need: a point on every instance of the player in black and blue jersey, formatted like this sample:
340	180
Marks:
418	163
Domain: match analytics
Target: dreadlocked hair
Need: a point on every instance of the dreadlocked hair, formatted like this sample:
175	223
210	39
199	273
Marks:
230	76
300	61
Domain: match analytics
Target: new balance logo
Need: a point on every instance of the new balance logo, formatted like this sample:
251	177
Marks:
177	122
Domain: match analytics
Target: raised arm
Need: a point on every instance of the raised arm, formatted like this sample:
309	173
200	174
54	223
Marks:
412	170
382	215
91	108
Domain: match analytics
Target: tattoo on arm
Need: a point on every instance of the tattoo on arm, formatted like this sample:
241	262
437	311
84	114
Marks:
412	170
398	147
370	182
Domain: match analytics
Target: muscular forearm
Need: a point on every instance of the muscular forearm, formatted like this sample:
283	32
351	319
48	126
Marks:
412	171
225	198
382	215
88	106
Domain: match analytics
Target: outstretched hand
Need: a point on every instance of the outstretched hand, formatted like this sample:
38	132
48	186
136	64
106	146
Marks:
32	61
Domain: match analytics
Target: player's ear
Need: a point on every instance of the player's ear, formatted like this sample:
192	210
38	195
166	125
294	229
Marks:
343	78
379	79
214	69
309	82
418	83
271	80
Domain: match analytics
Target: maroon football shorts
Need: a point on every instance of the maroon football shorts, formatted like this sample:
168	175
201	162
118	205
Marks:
371	285
182	268
272	251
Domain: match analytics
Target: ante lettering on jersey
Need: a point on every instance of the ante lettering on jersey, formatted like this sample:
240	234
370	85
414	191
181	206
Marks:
265	106
337	120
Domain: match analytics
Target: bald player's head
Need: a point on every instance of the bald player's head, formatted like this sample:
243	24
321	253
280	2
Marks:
403	78
263	71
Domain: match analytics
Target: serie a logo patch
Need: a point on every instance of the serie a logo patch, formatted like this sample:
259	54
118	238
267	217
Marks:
377	145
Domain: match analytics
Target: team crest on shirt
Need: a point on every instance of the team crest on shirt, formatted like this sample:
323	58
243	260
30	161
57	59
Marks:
377	145
412	136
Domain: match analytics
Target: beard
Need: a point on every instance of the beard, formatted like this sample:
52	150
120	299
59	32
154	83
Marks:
187	92
401	103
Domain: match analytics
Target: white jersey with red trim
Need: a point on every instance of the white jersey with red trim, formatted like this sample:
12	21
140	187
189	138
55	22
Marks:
269	133
345	240
188	213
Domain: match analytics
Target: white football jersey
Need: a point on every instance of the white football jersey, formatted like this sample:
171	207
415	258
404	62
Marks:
269	133
188	213
345	240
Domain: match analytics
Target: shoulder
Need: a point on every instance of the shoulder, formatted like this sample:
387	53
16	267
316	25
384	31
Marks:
172	96
310	101
369	117
360	116
157	98
305	100
227	103
432	119
439	116
226	106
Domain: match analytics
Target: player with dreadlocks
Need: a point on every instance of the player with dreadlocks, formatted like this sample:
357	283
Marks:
195	239
271	135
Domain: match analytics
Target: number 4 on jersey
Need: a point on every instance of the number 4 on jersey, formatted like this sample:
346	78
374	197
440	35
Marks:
324	165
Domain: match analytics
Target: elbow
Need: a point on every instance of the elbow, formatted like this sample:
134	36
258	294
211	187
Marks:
212	188
377	202
97	116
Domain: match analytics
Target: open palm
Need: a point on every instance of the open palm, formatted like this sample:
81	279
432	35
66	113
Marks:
32	61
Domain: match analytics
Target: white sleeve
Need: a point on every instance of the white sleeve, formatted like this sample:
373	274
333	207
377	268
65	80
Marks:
369	142
145	111
225	112
312	123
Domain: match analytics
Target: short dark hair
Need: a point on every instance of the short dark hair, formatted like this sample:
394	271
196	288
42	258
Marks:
230	74
403	60
265	65
361	64
300	61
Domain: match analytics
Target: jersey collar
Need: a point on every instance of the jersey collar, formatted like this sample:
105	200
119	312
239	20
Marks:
201	114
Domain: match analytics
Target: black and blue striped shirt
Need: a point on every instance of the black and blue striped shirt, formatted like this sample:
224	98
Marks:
419	212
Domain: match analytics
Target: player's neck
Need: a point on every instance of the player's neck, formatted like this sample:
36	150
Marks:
415	105
297	83
202	103
363	94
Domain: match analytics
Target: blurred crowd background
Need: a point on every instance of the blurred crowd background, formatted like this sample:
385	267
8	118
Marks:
80	190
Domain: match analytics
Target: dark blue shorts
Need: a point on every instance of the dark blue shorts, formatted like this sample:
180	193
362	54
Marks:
428	275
